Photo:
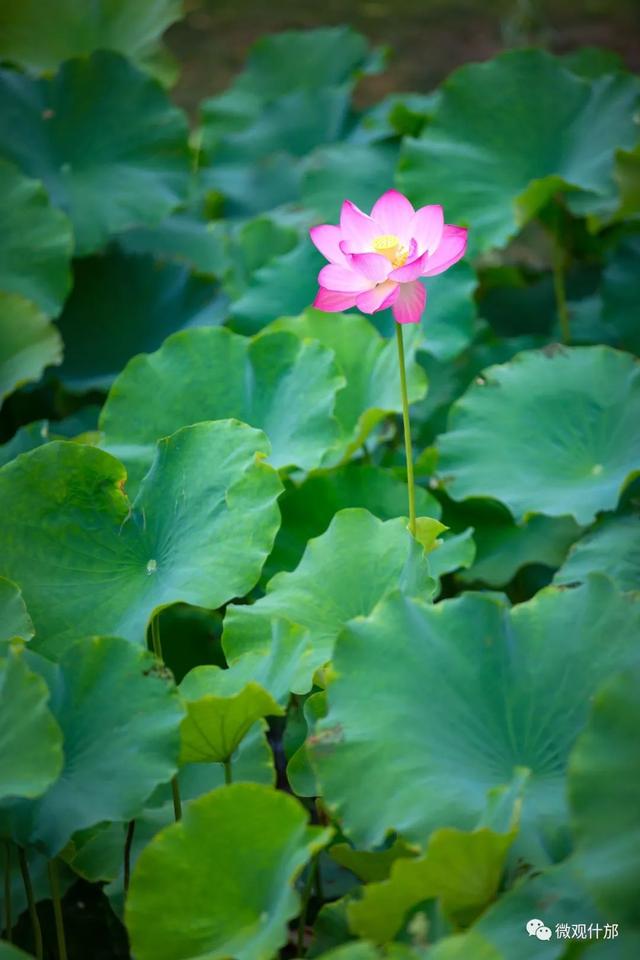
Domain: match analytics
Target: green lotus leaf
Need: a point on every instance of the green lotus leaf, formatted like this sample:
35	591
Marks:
604	793
465	945
120	163
207	851
331	929
195	243
450	319
259	166
28	343
275	660
220	713
198	530
9	952
39	872
549	433
504	689
463	870
253	245
495	181
300	774
369	364
284	386
592	62
308	509
120	718
293	96
14	617
452	552
30	738
367	951
556	895
371	866
343	574
361	172
142	300
395	115
350	951
619	295
627	176
35	241
81	426
96	854
612	546
306	59
286	284
504	547
77	30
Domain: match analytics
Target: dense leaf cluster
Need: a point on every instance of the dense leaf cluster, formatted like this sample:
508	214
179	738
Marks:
196	462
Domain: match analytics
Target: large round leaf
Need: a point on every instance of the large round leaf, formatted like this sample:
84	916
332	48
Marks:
285	284
120	718
122	304
28	343
8	952
361	172
77	29
259	166
305	59
293	96
432	706
14	618
604	792
96	853
449	322
104	140
186	238
505	547
343	574
232	861
308	509
198	531
620	293
369	364
81	426
494	175
612	546
462	869
551	432
35	241
220	713
556	895
283	385
30	738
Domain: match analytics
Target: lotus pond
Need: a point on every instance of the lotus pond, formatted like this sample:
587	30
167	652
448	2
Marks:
319	516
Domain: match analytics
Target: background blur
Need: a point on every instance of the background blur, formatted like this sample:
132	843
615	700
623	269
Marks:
427	38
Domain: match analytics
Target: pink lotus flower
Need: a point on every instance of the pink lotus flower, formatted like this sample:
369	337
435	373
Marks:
375	261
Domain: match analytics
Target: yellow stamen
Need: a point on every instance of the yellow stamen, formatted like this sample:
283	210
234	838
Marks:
390	247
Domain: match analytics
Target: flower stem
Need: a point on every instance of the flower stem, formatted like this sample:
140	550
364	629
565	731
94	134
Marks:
131	828
57	910
33	913
228	774
157	649
407	430
177	803
7	892
560	290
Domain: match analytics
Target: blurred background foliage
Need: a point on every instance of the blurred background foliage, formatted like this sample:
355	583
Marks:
426	38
